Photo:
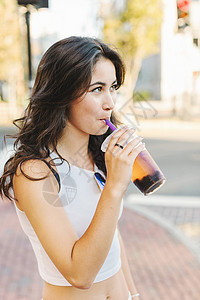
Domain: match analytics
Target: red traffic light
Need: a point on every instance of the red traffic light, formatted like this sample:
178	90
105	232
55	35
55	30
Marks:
183	5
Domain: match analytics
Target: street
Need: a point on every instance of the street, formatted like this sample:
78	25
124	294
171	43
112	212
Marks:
180	163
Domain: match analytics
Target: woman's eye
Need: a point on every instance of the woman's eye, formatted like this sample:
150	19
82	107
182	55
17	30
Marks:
114	87
97	89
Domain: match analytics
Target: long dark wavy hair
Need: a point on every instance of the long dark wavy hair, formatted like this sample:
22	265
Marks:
66	65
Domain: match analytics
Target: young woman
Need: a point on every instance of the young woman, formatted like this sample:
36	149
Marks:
58	166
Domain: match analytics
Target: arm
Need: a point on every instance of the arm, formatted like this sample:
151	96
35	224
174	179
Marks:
77	259
126	268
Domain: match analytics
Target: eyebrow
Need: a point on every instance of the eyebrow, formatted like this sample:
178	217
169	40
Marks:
102	83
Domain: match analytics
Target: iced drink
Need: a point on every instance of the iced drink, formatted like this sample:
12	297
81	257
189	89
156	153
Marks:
146	174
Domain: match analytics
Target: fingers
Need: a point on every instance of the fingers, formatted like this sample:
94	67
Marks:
116	137
137	141
133	148
122	136
127	138
136	150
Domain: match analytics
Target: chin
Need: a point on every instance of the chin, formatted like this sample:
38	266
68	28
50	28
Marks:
100	131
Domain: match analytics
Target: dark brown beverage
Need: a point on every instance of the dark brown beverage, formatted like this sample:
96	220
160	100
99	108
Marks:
146	174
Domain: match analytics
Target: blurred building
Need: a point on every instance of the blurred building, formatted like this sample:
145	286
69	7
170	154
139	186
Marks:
171	78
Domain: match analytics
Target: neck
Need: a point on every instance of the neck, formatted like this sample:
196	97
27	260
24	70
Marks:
73	146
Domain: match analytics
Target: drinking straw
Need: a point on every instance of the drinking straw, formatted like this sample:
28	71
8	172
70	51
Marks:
111	125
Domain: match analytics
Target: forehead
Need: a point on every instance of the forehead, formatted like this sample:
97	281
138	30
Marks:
103	68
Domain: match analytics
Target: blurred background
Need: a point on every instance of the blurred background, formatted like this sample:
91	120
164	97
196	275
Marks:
159	41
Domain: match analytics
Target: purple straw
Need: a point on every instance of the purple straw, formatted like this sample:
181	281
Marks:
111	125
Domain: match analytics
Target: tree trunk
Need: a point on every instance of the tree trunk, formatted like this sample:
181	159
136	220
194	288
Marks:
133	69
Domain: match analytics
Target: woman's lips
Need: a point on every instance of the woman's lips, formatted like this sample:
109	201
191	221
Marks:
103	120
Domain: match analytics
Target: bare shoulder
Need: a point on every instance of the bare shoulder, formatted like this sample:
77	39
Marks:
30	178
33	168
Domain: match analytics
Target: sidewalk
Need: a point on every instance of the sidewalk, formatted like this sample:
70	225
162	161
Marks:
168	129
162	266
19	279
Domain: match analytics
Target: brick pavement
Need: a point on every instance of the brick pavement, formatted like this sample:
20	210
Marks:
162	267
19	278
185	218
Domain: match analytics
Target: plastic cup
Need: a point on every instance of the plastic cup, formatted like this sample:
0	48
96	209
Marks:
146	174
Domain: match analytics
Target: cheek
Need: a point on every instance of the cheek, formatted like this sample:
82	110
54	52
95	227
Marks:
83	115
86	111
91	109
114	97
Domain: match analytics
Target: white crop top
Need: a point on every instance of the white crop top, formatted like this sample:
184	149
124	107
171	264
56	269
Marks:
79	195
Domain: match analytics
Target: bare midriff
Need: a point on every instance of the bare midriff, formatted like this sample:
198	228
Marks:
113	288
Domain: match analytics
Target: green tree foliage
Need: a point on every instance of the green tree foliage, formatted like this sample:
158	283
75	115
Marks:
134	28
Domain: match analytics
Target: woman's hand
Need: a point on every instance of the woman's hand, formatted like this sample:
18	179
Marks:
119	162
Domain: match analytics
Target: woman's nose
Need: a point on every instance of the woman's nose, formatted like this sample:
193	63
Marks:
109	101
